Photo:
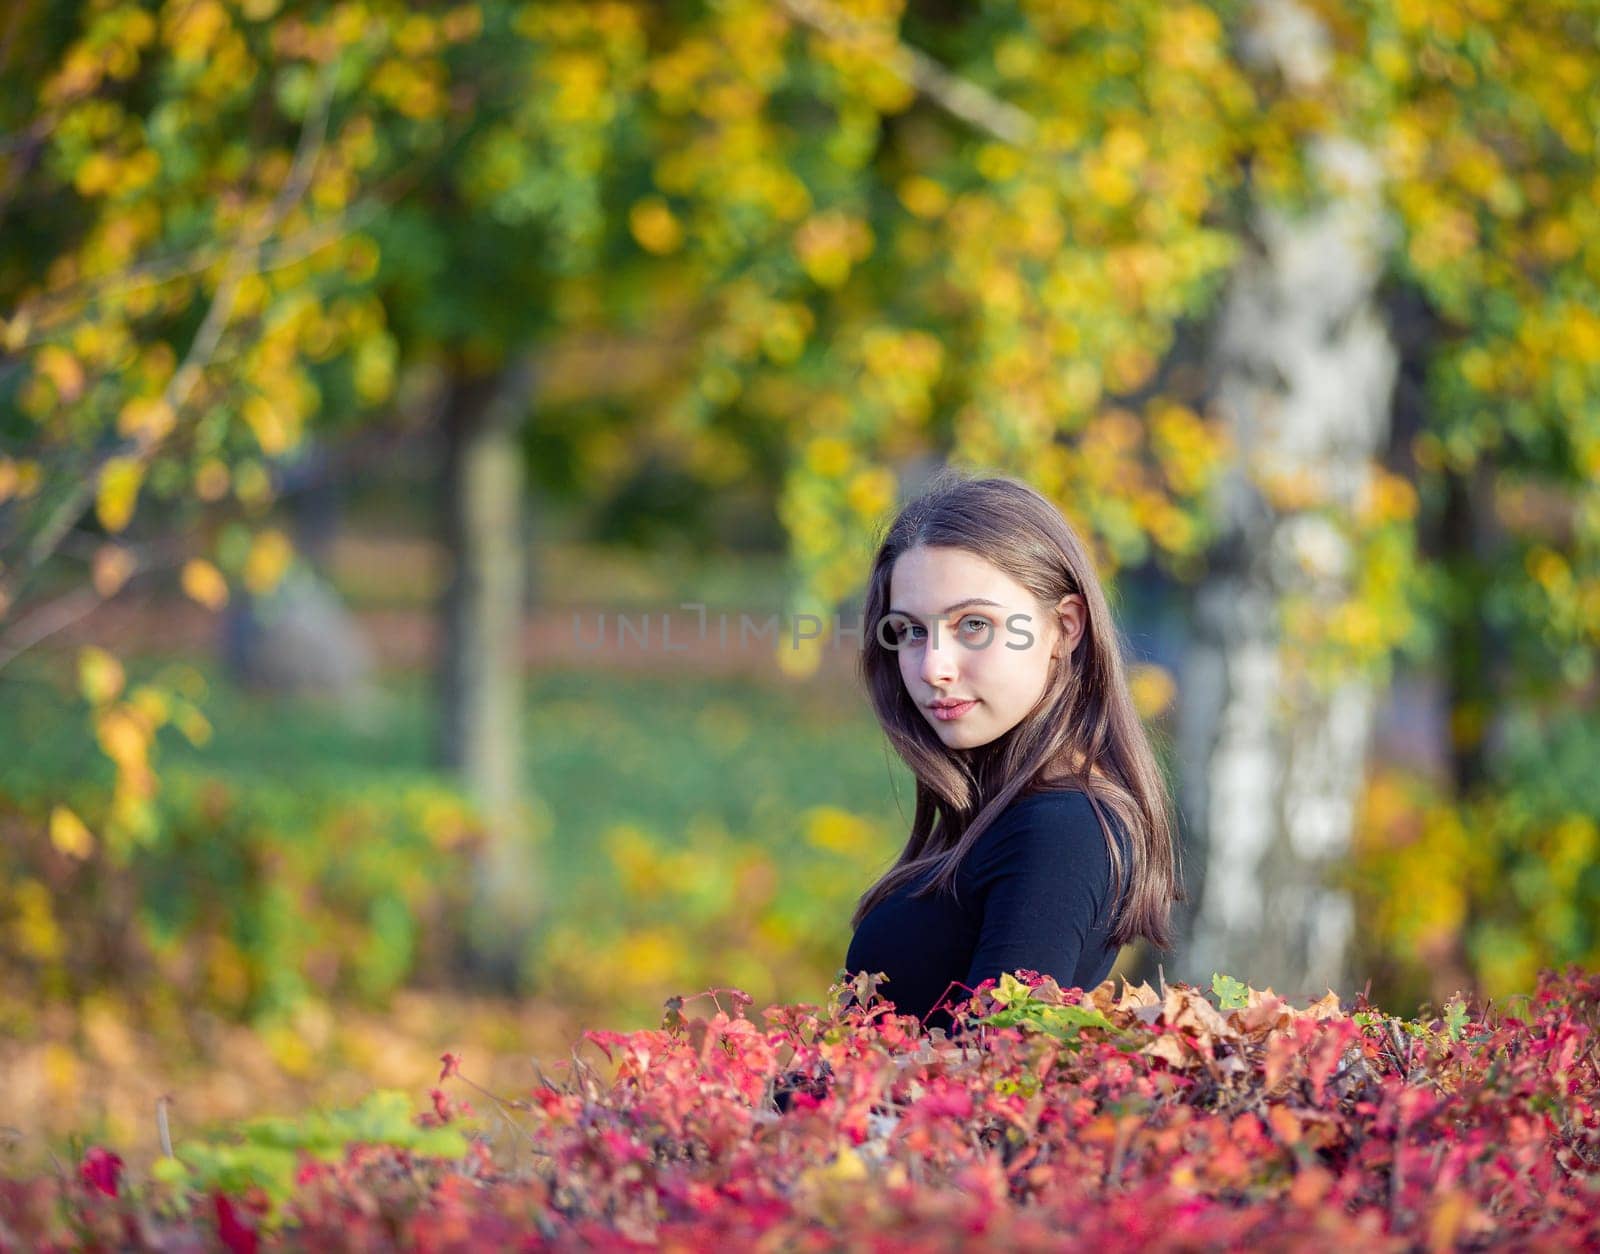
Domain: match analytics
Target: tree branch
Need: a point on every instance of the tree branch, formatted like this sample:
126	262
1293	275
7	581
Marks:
52	307
142	447
960	97
26	151
46	621
72	607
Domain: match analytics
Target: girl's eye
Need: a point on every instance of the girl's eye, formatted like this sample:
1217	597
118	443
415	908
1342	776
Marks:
906	630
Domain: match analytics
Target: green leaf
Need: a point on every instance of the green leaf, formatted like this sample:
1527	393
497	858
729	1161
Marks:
1011	990
170	1171
1083	1017
296	86
271	1151
1455	1017
1231	994
1062	1022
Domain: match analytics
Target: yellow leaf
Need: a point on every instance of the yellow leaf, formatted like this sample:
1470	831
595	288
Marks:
14	334
828	456
373	368
119	492
100	676
1153	690
650	956
112	567
194	725
653	225
998	162
34	929
68	833
185	679
267	422
252	485
107	1032
211	480
146	418
846	1170
922	196
96	174
123	737
151	703
1452	1211
871	491
268	562
62	369
227	975
838	831
418	36
1011	990
195	30
250	297
462	22
204	583
830	244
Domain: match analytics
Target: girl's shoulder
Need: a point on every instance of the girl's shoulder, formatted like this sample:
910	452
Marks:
1065	803
1059	820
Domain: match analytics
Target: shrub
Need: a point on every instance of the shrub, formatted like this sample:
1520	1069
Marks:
247	897
1114	1121
1486	888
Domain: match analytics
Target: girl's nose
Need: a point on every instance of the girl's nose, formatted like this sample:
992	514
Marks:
939	658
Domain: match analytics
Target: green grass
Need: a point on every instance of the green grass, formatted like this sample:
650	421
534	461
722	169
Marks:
601	749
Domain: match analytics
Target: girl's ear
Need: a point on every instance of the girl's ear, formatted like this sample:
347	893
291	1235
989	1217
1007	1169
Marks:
1074	615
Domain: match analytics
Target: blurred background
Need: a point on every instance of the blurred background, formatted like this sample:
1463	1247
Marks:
425	430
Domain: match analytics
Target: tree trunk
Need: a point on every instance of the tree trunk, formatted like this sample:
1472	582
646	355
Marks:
1474	651
1303	370
480	666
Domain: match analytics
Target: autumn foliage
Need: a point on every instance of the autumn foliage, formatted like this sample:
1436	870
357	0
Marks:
1112	1119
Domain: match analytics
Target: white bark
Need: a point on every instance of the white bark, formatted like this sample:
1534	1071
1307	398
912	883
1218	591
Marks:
1303	371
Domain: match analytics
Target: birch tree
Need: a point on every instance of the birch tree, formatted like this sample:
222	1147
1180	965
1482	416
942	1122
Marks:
1273	753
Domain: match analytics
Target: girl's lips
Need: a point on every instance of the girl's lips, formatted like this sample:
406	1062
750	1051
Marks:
945	713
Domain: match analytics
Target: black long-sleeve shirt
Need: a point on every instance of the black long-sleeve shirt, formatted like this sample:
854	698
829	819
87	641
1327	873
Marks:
1033	895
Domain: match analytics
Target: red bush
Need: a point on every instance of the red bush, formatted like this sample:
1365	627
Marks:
1111	1121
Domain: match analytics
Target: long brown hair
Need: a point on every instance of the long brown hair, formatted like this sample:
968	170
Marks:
1084	722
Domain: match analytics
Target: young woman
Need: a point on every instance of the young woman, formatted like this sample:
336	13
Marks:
1042	838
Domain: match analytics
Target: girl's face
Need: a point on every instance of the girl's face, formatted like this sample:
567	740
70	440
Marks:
965	631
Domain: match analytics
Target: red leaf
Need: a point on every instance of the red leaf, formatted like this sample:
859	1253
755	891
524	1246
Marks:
101	1169
233	1234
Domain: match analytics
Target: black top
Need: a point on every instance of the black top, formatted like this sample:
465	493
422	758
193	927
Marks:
1033	895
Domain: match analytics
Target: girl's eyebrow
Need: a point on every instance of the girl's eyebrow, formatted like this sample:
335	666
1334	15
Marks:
951	609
